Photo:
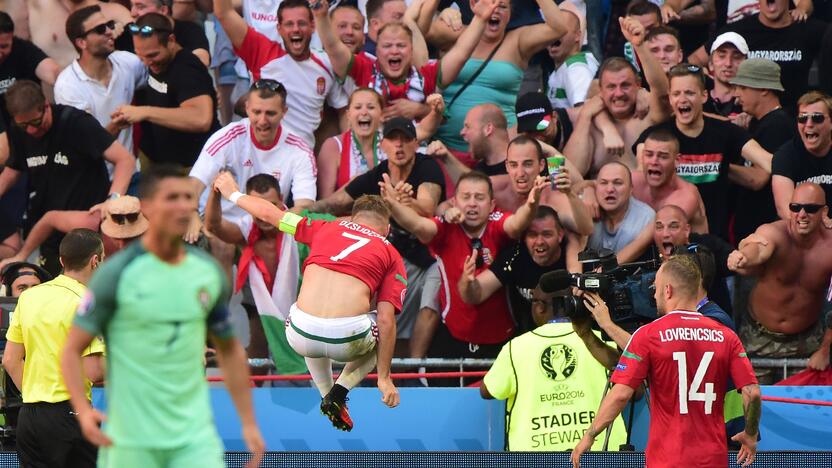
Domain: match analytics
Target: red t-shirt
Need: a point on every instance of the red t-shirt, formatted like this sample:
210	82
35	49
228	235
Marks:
687	360
489	322
417	86
355	250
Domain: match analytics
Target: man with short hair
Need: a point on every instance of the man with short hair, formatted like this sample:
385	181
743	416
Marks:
663	43
544	248
47	433
159	412
62	151
649	15
20	276
177	111
379	13
538	119
188	34
619	83
348	23
333	317
626	224
728	51
808	157
486	131
309	75
793	262
574	70
85	83
757	89
711	151
471	227
687	361
658	184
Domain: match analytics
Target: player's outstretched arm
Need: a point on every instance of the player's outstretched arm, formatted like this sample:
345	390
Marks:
610	408
233	361
386	323
72	368
257	207
752	403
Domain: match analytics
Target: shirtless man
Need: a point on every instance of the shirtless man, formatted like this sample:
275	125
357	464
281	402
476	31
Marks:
657	183
333	316
793	261
619	83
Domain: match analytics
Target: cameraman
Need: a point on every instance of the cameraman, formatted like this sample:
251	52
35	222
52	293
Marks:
553	377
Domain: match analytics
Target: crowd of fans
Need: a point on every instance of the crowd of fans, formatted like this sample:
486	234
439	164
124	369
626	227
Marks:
687	123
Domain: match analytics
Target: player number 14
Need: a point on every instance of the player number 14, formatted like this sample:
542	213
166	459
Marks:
692	393
359	242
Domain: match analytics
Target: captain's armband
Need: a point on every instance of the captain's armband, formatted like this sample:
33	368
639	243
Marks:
289	223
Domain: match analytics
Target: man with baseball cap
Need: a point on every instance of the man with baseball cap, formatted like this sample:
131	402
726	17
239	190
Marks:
727	53
536	118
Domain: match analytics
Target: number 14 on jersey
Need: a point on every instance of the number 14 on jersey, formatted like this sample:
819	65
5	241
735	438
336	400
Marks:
692	392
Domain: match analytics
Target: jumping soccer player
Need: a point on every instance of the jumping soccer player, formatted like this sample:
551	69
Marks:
154	302
687	360
351	265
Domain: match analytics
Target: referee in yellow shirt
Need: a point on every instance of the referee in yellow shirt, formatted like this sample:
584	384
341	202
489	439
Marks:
48	434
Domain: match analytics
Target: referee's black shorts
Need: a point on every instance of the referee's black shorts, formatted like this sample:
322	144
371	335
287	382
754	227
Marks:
48	435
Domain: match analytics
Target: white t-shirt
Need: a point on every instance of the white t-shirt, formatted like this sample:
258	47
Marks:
233	147
310	83
74	88
569	83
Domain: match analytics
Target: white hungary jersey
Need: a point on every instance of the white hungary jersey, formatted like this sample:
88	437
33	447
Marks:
234	148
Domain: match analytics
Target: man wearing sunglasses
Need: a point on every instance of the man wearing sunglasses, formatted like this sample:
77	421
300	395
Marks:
792	260
85	83
188	34
807	158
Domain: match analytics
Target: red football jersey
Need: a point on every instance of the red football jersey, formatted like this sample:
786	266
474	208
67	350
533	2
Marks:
356	250
687	360
489	322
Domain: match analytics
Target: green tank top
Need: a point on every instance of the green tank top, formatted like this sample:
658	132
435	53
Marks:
498	84
554	387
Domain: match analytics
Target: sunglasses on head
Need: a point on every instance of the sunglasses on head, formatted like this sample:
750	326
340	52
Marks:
146	30
265	83
816	117
127	218
36	122
810	208
476	243
101	28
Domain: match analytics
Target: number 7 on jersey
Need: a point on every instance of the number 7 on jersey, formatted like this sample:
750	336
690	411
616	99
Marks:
359	242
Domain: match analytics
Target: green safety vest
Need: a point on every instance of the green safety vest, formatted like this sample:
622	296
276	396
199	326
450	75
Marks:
554	388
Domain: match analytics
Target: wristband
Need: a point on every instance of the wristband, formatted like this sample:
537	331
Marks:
113	196
235	196
289	223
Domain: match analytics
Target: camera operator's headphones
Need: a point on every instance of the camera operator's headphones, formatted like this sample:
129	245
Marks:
12	272
704	259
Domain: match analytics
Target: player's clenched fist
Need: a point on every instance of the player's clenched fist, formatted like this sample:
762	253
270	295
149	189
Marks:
389	392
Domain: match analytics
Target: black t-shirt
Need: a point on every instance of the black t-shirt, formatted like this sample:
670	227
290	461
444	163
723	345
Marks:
425	170
691	36
188	34
65	167
793	48
728	108
755	208
517	271
718	290
793	161
491	170
704	161
20	64
185	78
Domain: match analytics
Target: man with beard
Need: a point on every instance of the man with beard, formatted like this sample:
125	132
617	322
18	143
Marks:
773	34
710	150
807	158
680	355
658	184
619	82
177	111
85	83
308	74
793	262
727	53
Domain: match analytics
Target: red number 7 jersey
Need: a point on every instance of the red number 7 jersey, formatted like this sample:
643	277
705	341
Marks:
356	250
687	359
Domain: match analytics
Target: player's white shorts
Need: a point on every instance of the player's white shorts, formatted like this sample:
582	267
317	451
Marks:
342	339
